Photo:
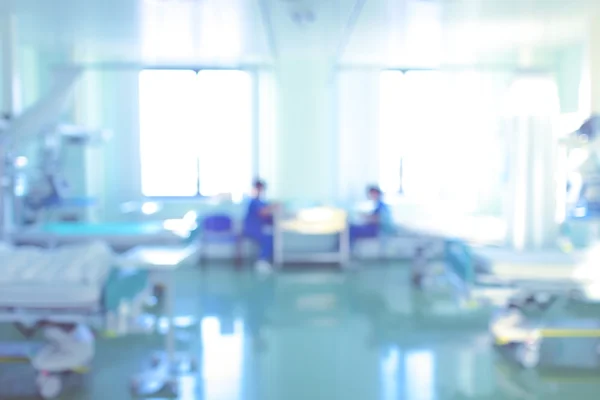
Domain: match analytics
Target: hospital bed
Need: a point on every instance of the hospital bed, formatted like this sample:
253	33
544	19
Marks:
120	236
529	298
67	293
312	221
477	277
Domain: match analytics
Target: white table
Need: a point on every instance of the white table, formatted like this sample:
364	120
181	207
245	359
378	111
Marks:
163	262
292	225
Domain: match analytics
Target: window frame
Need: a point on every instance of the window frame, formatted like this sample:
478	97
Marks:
252	73
400	189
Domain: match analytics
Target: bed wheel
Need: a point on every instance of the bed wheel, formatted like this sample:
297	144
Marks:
159	292
49	386
173	387
194	365
134	387
576	295
27	331
528	355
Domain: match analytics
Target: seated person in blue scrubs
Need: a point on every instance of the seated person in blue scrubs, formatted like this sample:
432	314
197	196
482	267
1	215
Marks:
258	217
376	221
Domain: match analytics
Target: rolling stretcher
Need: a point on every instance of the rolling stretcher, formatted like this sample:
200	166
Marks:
68	293
530	304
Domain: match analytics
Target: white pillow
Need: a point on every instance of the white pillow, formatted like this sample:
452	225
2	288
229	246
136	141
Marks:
88	263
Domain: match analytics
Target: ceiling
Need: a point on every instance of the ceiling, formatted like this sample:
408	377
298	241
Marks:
182	31
424	32
382	32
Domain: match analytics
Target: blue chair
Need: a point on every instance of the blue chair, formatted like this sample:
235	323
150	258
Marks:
216	229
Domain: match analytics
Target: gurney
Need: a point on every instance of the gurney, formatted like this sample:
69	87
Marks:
68	293
476	278
529	299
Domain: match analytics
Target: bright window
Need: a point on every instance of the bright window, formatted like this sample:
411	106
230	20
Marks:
225	161
196	132
439	137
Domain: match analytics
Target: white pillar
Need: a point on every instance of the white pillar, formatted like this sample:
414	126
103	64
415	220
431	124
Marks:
306	139
532	147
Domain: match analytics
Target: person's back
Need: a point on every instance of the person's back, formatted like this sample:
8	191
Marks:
377	221
254	222
381	217
258	216
384	219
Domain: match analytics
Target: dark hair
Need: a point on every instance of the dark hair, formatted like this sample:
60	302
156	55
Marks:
259	184
374	189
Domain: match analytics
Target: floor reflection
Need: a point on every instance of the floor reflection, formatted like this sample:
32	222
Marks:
222	357
325	335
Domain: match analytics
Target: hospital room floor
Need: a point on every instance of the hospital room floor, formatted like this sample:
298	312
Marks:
317	334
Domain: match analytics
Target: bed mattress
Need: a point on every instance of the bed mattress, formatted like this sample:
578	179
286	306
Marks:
37	295
67	275
117	235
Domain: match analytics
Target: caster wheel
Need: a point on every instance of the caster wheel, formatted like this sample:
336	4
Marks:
528	355
172	388
156	361
49	386
134	386
577	295
159	293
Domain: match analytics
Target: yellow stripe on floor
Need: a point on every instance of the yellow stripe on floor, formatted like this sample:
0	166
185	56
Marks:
14	360
560	333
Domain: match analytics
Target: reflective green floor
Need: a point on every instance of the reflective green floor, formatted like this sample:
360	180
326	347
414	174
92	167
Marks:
310	334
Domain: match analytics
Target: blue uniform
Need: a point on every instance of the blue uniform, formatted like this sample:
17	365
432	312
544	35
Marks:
372	229
254	228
